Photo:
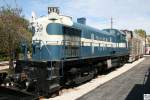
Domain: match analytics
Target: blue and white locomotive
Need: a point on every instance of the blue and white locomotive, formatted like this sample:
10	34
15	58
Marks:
65	52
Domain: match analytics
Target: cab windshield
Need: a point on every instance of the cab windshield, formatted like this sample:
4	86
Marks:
54	29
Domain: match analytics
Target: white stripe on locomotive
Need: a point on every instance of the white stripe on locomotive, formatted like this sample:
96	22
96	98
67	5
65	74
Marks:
58	40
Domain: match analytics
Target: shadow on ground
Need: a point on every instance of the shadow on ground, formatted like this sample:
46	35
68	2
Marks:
140	89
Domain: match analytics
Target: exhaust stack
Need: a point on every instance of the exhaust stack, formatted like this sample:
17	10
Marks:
82	20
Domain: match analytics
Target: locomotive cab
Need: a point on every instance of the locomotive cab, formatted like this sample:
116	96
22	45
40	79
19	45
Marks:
55	38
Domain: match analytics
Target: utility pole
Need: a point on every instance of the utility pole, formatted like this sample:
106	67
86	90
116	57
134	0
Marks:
111	22
145	43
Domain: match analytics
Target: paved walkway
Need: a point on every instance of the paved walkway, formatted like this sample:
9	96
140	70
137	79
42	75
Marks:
4	65
131	85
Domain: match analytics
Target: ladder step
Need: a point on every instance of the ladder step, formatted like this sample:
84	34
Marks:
54	86
53	77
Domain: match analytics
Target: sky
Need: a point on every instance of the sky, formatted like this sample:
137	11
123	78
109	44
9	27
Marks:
126	14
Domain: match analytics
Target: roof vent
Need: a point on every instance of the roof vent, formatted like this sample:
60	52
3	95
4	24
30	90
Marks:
81	20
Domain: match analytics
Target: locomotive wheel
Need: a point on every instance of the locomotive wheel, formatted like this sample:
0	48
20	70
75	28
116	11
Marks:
78	76
83	77
54	94
103	68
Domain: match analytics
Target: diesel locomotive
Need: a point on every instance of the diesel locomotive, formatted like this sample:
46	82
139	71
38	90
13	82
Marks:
66	52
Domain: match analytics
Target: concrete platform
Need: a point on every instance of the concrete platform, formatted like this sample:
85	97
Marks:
132	85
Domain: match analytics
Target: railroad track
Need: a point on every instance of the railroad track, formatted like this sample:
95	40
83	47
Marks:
7	93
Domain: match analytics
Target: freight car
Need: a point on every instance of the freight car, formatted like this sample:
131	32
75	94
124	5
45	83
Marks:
66	52
136	45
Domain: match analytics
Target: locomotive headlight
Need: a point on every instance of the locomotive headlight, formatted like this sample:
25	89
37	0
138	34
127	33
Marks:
12	84
2	84
27	84
7	84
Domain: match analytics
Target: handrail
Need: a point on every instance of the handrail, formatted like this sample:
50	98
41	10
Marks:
46	48
81	43
66	41
75	43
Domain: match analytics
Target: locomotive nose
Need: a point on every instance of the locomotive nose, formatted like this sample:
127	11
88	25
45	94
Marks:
36	49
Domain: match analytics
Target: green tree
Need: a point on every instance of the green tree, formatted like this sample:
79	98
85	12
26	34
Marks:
13	30
140	32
